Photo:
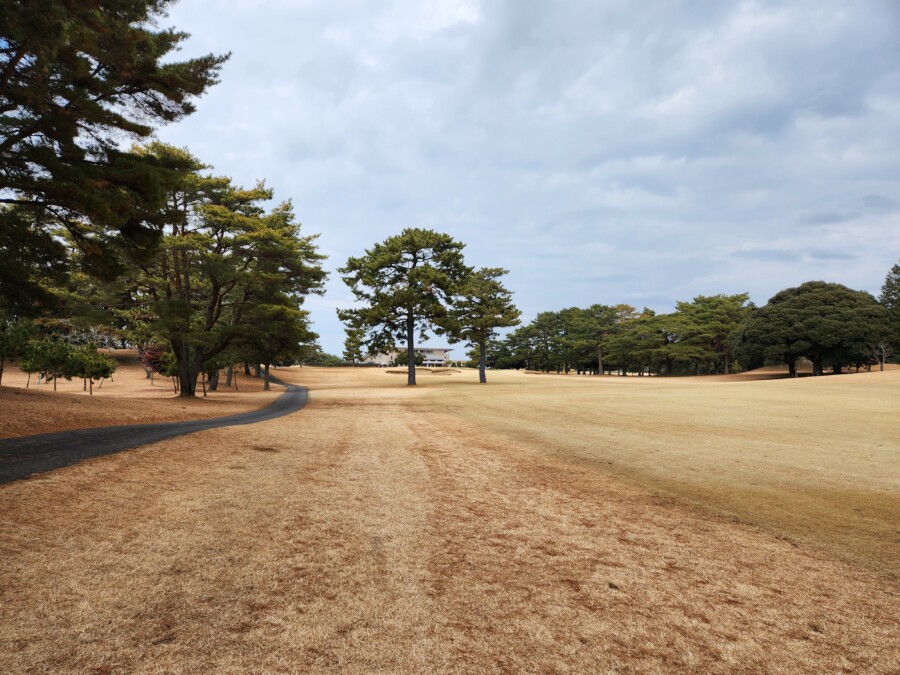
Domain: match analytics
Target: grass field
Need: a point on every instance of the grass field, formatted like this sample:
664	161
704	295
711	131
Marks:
538	523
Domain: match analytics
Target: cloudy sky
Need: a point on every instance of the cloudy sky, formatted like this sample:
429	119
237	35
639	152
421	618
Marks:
604	151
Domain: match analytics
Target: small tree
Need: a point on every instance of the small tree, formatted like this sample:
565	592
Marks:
482	306
87	363
53	357
879	352
150	356
169	368
279	334
402	359
406	283
353	344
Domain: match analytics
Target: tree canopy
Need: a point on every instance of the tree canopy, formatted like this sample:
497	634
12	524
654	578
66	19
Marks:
481	306
890	299
829	324
222	257
75	79
406	284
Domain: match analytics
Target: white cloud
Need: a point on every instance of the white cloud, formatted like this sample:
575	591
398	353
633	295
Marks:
601	151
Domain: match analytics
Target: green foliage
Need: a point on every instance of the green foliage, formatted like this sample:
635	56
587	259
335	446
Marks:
402	359
890	298
482	305
353	345
222	258
406	284
33	256
168	365
51	356
274	333
827	323
75	77
312	355
14	337
87	363
697	338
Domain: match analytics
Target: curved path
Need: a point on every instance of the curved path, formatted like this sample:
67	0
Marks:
22	456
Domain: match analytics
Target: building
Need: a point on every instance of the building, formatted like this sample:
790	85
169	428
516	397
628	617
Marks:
434	356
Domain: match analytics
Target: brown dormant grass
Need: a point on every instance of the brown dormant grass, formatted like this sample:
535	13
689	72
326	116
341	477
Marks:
395	529
129	398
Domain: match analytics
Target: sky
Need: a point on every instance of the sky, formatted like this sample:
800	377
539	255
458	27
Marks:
602	151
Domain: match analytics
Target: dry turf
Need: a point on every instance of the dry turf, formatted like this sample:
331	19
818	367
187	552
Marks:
538	523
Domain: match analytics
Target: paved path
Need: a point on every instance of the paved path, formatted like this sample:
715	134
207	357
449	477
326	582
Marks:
22	456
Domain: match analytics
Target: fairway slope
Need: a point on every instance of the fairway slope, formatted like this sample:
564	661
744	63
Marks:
382	530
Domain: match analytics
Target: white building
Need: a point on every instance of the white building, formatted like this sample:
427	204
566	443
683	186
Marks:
434	356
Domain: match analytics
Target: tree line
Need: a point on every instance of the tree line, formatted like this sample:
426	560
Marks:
145	244
830	325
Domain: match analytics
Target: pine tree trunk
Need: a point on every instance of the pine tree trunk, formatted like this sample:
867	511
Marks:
214	381
229	369
482	364
266	381
188	369
410	351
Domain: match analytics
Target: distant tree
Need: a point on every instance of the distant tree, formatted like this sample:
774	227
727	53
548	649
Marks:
709	325
353	345
75	79
879	352
405	283
275	333
482	305
150	355
87	363
402	359
53	357
591	330
636	342
827	323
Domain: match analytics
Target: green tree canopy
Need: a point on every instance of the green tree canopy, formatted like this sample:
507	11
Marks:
406	284
222	255
890	298
827	323
353	344
482	306
75	77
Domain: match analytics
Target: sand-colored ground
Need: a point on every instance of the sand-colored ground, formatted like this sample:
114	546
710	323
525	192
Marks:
387	529
128	398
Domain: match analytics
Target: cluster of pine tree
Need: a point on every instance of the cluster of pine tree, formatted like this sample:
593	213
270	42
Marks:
828	324
143	244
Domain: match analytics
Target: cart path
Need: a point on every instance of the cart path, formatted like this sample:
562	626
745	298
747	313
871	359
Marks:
23	456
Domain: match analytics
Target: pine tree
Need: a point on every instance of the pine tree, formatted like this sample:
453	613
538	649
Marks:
75	79
483	305
406	283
